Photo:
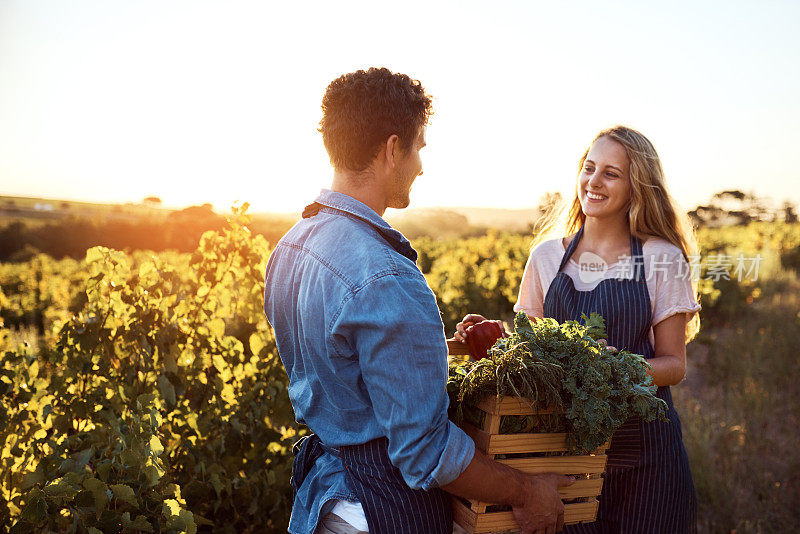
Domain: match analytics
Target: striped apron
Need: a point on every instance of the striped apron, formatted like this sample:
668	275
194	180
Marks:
390	506
647	486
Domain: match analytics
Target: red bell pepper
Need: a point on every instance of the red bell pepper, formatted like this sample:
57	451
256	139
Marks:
481	337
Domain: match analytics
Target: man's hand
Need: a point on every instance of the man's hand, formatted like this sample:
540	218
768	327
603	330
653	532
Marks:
541	511
533	498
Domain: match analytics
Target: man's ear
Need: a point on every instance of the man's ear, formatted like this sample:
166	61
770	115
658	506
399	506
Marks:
392	150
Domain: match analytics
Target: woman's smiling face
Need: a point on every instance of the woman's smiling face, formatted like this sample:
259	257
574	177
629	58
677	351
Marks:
604	181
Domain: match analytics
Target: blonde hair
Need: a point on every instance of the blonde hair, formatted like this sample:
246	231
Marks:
652	212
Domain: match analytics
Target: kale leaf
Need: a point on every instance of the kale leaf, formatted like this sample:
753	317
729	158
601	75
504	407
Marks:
561	366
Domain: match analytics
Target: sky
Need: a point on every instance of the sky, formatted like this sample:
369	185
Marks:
199	101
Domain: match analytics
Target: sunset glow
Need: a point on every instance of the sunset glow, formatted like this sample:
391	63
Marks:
212	102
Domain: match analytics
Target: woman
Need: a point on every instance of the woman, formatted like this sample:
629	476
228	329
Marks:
632	244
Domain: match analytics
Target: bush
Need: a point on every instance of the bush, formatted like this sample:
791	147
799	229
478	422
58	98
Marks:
147	415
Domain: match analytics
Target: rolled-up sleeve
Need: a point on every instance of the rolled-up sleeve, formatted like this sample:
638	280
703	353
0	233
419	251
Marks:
674	290
458	452
540	270
392	325
531	296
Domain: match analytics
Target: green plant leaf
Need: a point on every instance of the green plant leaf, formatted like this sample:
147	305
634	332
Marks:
217	327
153	474
125	493
95	254
155	446
170	508
167	390
256	343
60	488
216	483
35	509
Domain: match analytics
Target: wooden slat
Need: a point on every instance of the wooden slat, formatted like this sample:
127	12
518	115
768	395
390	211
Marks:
511	406
582	488
515	443
560	465
522	443
478	507
499	521
456	348
603	448
518	443
579	512
480	437
578	490
491	423
463	515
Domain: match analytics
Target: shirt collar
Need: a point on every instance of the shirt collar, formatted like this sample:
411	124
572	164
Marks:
355	208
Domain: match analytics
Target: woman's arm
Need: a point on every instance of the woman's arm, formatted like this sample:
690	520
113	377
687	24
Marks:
669	362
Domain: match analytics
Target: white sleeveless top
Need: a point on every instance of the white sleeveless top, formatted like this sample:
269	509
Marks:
667	273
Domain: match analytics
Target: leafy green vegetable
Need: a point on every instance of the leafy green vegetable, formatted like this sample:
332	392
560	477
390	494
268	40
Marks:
561	366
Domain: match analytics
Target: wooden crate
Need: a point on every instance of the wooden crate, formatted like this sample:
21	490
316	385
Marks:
581	496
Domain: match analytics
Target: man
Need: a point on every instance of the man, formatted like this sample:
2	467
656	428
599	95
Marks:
360	335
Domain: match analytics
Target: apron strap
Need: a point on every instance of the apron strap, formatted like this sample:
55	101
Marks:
637	258
571	249
306	451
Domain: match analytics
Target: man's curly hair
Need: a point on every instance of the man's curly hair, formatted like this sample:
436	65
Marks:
361	110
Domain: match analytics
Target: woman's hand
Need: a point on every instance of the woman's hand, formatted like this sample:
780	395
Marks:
479	334
468	320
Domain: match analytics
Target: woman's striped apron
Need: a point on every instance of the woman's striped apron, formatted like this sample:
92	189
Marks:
648	486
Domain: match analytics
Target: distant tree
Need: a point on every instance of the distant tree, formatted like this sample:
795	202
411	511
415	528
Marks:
733	207
746	207
205	211
735	194
12	238
152	201
26	253
65	205
437	224
708	215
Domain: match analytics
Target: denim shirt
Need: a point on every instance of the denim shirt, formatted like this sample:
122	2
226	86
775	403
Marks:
363	344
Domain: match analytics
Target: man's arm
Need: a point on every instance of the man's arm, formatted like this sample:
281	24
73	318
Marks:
394	327
534	498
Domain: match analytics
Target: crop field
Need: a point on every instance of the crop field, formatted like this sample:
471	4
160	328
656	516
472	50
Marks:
142	391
